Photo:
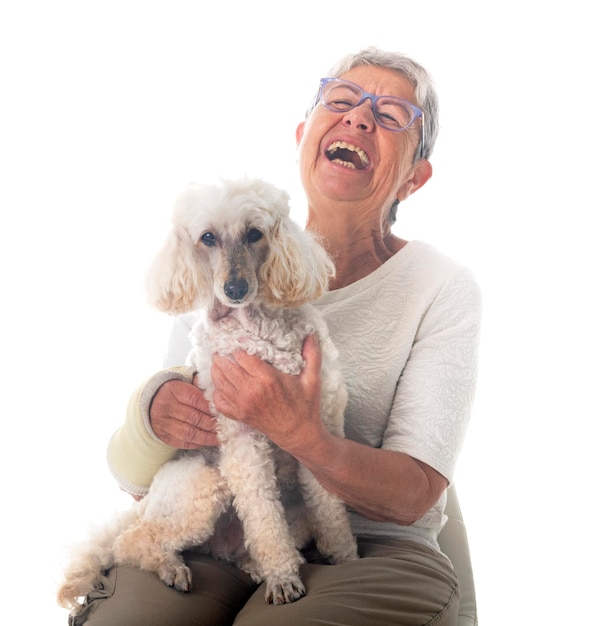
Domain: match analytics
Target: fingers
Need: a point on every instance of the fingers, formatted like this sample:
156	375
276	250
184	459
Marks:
229	378
190	434
225	370
180	416
255	392
312	355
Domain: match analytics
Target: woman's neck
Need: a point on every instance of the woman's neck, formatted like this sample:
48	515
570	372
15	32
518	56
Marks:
356	249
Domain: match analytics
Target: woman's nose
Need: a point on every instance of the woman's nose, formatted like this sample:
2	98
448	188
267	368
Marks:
360	117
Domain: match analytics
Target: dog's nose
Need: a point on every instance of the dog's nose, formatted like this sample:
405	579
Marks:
236	288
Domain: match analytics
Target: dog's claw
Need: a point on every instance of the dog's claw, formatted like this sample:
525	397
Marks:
177	576
285	591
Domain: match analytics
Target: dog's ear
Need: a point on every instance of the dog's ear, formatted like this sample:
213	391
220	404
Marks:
177	280
297	269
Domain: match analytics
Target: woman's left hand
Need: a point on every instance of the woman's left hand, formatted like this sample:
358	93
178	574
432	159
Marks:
383	485
285	408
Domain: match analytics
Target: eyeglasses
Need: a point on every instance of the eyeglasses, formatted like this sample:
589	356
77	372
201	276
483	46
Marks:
390	112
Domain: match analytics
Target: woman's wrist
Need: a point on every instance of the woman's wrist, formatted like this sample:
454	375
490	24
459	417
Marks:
318	450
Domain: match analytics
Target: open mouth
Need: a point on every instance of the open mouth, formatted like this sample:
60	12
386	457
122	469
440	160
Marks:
348	155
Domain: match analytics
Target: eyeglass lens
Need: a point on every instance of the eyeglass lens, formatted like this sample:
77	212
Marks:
390	112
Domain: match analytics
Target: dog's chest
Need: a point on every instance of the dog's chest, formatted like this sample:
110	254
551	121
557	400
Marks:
275	336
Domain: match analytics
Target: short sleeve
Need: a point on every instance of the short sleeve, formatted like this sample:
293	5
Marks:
435	392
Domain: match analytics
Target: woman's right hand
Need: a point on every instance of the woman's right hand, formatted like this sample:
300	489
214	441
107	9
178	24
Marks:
180	416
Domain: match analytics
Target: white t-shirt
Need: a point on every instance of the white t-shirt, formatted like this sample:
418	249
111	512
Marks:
407	336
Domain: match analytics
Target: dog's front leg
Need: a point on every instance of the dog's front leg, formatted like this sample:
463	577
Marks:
328	518
247	464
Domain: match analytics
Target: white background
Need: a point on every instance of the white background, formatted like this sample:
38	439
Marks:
108	109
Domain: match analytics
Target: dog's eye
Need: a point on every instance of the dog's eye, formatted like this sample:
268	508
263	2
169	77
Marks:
253	235
208	239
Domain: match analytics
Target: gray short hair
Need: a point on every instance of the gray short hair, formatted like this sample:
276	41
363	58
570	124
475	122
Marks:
418	76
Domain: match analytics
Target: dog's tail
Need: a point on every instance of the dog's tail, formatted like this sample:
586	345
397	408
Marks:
90	562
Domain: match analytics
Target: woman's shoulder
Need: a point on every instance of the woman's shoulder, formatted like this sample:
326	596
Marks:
424	261
422	255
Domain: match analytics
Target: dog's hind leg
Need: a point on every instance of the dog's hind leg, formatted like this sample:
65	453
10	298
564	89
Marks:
247	464
186	499
328	518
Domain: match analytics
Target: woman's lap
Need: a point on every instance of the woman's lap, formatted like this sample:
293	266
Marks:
397	583
133	597
394	582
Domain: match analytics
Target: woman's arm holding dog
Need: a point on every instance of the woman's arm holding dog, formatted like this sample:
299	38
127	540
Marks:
380	484
166	413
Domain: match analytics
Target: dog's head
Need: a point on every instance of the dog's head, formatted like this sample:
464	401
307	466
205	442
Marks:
234	243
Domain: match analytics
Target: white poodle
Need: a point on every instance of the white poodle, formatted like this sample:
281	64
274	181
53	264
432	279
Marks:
234	252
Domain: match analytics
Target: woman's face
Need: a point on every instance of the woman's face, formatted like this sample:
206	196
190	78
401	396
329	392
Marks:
376	166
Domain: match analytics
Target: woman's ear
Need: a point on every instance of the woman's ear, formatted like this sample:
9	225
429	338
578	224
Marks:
419	174
299	132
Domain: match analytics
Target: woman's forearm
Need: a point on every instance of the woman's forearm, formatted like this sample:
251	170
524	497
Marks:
382	485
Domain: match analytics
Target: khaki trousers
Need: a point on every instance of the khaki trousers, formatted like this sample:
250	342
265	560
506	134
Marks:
401	583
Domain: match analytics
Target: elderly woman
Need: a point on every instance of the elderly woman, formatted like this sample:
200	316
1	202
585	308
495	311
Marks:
405	319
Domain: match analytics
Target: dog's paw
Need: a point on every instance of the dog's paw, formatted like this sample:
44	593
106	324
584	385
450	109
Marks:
284	591
337	560
347	553
338	552
176	575
249	567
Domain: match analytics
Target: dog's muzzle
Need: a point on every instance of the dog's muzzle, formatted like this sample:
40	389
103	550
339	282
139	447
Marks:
236	288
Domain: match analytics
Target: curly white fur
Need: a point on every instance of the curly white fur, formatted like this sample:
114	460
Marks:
234	252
